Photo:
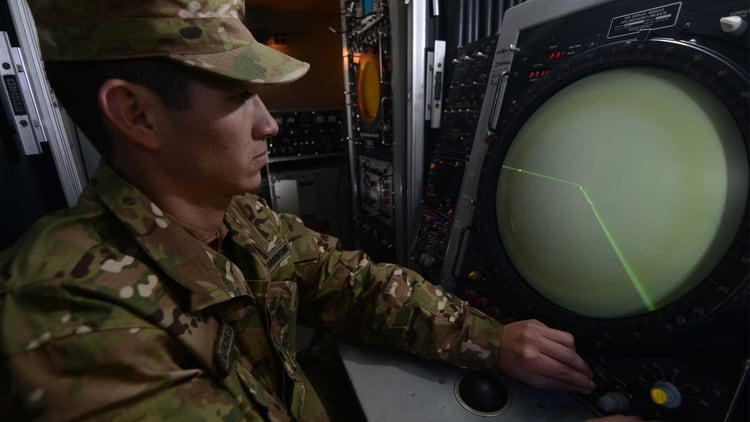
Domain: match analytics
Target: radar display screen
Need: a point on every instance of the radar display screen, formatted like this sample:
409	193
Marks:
622	191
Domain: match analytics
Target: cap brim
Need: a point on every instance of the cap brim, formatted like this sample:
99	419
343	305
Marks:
254	63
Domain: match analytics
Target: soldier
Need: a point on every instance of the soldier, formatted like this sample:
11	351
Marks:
168	291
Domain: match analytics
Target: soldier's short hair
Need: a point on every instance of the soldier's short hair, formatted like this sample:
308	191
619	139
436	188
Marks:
76	86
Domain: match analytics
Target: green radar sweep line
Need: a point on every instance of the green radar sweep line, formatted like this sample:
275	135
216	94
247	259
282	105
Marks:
628	269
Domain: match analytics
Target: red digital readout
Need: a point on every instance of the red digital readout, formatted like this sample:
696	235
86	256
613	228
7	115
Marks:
537	73
556	55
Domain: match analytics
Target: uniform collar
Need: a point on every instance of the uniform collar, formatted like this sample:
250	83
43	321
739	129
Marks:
209	276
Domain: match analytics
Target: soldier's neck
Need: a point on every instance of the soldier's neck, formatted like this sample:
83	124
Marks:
201	211
203	221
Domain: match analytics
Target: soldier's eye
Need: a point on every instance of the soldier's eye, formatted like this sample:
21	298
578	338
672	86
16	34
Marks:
245	95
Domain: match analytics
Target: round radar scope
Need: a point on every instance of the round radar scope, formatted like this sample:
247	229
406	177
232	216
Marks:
617	193
622	191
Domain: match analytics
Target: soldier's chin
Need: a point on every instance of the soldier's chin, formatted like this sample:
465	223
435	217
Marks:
254	183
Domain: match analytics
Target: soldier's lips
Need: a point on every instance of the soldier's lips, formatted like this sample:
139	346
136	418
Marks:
261	158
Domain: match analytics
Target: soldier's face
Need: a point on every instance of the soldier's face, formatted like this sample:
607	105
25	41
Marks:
217	147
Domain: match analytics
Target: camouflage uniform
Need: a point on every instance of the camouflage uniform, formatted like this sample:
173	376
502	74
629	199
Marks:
112	310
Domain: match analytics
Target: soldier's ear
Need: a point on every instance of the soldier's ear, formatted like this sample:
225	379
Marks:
129	110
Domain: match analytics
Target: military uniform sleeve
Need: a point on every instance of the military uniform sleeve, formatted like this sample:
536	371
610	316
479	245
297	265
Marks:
386	304
123	368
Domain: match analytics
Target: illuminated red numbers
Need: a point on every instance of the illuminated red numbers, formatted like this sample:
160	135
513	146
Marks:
538	73
555	55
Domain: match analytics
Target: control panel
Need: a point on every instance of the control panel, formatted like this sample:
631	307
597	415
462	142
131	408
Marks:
460	129
465	97
367	38
307	133
376	180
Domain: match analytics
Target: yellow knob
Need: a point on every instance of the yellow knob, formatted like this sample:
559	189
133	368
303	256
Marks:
474	275
659	396
665	394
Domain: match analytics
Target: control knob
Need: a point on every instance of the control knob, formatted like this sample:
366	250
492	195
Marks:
665	394
614	402
733	25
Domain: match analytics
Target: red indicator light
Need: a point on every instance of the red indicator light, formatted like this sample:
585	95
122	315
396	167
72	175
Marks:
538	73
556	55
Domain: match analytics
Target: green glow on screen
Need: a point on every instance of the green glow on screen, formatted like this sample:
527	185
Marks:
628	269
622	191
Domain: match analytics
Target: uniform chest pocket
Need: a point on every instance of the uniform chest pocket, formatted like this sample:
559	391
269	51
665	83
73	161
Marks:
281	316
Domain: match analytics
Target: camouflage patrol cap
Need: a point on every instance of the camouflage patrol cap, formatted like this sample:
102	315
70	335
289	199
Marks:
207	34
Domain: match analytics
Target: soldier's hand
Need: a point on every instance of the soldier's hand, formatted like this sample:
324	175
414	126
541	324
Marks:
543	357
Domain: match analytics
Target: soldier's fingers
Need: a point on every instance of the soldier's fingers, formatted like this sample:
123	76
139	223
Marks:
568	378
566	356
558	336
